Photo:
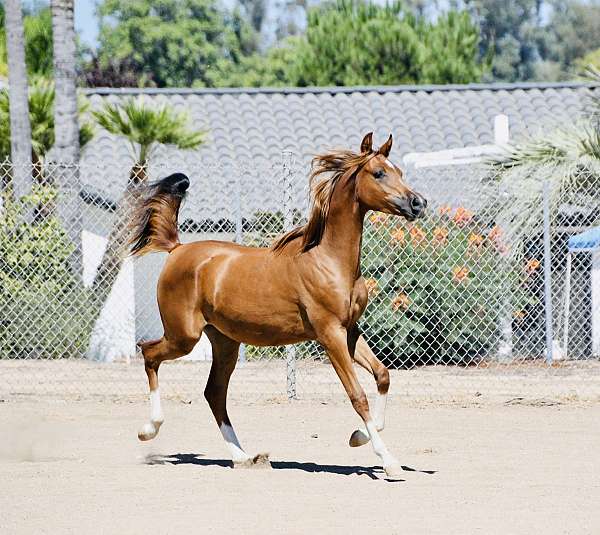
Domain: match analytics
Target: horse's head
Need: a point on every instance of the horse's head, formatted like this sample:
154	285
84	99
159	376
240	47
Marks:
380	185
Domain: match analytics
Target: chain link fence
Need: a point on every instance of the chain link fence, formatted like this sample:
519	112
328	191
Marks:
482	296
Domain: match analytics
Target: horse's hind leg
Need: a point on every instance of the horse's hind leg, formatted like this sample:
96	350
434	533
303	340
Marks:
364	357
225	354
181	335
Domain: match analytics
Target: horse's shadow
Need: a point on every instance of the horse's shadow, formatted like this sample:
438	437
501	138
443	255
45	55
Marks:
373	472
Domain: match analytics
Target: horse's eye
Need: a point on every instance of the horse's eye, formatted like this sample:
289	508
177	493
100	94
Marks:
380	173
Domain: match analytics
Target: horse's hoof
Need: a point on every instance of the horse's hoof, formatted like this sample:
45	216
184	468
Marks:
148	431
358	438
260	461
394	470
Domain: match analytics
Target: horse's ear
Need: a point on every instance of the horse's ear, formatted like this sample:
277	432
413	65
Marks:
367	143
386	148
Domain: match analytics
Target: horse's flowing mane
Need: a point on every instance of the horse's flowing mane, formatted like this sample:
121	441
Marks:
326	172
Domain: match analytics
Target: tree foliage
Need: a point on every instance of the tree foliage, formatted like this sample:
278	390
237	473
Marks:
41	118
146	126
38	42
173	42
46	312
536	39
352	42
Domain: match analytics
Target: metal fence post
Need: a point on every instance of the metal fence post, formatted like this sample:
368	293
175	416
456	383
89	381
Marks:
547	273
239	236
288	224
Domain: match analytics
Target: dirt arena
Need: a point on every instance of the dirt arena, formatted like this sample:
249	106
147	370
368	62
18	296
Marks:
507	466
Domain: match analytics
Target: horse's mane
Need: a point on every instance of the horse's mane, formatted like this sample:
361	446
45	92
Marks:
326	172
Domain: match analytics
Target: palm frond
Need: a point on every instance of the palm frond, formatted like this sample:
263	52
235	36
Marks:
564	145
147	126
567	160
591	143
41	118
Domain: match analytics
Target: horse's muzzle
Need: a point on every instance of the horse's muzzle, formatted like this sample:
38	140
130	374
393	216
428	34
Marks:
412	206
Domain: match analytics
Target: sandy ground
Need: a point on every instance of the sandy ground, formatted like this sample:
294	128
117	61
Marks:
76	380
506	468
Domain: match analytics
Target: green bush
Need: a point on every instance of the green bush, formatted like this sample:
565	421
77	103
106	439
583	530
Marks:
437	288
45	312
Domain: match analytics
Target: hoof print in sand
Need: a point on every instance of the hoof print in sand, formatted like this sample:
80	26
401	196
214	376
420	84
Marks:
258	461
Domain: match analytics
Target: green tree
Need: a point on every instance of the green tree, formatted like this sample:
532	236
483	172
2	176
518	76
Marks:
41	118
535	39
353	42
268	70
574	31
38	42
37	26
511	34
3	54
591	59
145	128
174	42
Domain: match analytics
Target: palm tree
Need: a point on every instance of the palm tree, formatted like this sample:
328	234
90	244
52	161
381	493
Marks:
66	125
568	159
145	128
41	119
17	83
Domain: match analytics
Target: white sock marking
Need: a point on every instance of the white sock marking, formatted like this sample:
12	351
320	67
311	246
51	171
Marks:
156	413
237	453
380	404
361	435
150	430
379	447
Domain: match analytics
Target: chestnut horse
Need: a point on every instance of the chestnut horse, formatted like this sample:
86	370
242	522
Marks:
306	286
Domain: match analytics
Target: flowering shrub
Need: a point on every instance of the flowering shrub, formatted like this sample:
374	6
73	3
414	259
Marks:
437	287
44	310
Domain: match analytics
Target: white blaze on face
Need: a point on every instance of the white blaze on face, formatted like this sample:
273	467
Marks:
237	453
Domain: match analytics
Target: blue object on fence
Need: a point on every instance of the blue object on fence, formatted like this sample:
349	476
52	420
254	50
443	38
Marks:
588	240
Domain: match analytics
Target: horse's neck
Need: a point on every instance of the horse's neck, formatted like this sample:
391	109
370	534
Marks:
342	238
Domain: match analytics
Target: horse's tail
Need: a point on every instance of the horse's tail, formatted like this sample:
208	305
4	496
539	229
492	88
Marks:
154	223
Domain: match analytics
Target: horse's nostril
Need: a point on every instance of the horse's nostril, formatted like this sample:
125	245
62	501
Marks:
417	203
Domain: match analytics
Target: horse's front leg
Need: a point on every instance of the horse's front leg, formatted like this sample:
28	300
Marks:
364	357
336	341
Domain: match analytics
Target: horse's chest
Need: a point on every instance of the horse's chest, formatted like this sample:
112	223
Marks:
358	301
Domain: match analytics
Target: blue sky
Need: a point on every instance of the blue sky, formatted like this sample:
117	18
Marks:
86	22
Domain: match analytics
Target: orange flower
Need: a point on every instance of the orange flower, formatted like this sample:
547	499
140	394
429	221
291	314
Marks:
372	287
495	234
444	210
475	241
398	236
460	273
462	216
531	265
417	235
378	218
519	314
401	302
440	235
